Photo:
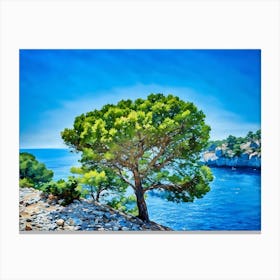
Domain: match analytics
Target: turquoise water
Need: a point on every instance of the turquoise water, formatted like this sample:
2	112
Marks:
234	202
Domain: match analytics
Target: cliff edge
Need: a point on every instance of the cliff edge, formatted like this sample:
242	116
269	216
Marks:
235	152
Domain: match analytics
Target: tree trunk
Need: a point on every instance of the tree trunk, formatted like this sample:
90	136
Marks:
98	195
141	204
91	193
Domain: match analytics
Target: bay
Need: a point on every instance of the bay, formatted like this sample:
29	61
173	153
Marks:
233	203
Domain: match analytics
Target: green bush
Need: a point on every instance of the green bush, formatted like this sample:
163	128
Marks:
32	173
67	191
26	183
124	204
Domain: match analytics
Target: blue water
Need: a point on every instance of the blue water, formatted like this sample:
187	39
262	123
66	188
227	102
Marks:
234	202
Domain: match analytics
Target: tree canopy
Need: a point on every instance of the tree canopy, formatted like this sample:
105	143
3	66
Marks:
146	144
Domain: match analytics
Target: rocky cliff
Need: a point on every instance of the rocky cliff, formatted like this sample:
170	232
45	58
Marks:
38	212
247	154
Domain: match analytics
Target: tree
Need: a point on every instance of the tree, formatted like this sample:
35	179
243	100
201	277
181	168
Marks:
99	183
231	141
149	144
258	135
250	136
32	173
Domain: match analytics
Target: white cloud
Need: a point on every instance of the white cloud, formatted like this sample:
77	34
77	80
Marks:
221	121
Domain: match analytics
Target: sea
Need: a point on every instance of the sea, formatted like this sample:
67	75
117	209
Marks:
232	204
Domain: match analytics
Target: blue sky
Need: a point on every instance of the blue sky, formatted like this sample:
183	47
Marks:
57	85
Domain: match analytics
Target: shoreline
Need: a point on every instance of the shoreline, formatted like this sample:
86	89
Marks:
233	167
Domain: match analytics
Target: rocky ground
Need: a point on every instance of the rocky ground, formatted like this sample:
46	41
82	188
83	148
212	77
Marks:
38	212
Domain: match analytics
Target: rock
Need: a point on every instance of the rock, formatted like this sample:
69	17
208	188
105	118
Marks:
247	159
71	222
135	227
60	222
218	152
28	227
125	228
77	221
107	215
81	215
254	145
248	154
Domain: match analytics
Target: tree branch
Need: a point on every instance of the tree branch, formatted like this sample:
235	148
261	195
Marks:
119	171
171	187
162	186
152	164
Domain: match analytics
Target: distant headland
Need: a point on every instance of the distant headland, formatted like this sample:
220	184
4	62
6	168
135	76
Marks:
235	151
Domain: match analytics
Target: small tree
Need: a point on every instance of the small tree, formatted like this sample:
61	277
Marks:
99	183
231	141
105	185
250	136
147	144
258	135
32	173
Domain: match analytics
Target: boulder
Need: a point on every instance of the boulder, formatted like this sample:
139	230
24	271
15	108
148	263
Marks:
60	222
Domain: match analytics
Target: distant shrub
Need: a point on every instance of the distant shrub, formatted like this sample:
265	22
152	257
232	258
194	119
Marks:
237	150
32	173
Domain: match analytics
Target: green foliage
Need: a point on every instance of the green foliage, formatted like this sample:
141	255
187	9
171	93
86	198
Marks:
31	172
124	203
99	183
231	141
67	191
212	145
237	150
139	142
26	183
196	187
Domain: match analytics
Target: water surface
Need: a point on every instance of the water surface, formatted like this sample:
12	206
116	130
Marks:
234	202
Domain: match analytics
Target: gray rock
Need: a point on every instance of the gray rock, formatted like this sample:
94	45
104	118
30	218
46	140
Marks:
125	228
60	222
218	152
71	222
